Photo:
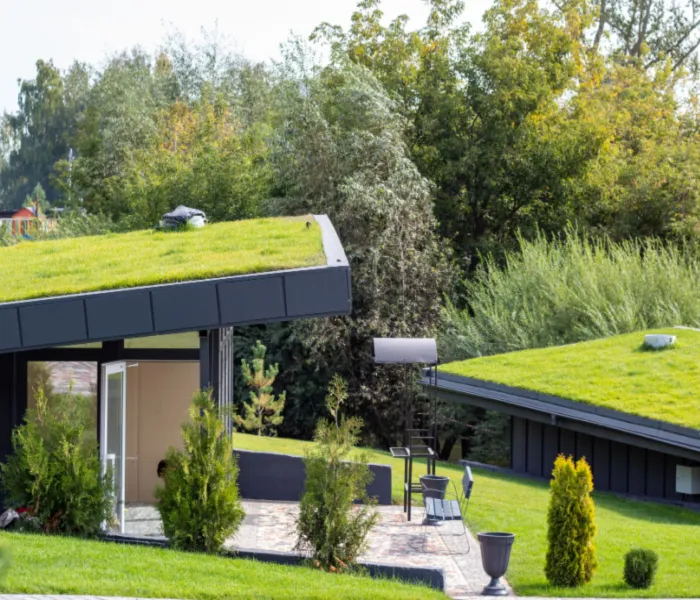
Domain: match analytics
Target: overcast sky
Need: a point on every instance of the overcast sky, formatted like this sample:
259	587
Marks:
87	30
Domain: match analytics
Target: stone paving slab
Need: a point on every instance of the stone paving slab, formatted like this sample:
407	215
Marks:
394	540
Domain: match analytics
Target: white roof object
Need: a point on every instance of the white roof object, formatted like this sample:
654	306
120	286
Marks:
405	351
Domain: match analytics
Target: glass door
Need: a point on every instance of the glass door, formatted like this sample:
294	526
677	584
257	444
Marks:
113	436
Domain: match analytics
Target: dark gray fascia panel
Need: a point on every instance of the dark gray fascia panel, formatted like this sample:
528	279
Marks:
120	313
9	329
180	306
52	323
514	399
303	293
252	299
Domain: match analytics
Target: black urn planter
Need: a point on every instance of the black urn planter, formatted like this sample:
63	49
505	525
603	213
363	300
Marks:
495	555
434	486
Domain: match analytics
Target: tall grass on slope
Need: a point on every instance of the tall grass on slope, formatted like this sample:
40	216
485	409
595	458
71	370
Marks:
558	292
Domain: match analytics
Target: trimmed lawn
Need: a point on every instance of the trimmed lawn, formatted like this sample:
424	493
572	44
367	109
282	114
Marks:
615	373
55	565
519	505
113	261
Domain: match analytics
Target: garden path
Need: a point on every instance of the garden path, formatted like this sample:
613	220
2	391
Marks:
271	526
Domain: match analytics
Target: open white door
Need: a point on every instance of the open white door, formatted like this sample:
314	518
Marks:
113	434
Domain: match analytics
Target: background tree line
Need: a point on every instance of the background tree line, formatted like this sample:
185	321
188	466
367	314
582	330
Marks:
439	153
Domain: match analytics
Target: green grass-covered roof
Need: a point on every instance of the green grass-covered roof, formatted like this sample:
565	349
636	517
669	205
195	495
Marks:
617	373
86	264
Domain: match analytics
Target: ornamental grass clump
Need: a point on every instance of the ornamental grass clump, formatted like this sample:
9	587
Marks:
330	526
199	503
640	568
571	556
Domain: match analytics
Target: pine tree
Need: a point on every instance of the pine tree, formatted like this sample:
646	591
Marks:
264	412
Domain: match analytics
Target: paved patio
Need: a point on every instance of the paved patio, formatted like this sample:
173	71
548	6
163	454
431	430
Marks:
270	526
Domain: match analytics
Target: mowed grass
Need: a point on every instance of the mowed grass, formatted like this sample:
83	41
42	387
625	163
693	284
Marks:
88	264
519	505
616	373
59	565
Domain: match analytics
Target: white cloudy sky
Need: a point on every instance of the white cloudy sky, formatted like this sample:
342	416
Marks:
87	30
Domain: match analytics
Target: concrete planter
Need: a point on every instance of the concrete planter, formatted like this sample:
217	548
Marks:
434	486
495	556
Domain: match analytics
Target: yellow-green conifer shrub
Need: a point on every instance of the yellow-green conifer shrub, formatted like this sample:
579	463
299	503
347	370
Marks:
571	557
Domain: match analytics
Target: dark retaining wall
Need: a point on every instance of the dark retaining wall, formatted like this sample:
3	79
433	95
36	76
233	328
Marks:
281	477
429	576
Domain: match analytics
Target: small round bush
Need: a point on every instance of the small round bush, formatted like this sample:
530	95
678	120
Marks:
640	568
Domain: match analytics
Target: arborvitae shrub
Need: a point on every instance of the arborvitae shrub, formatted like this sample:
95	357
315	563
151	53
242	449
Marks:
329	526
640	568
571	558
54	470
199	504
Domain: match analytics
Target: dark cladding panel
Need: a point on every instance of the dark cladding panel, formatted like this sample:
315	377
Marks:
119	314
519	445
618	467
534	448
567	442
636	476
6	403
601	464
185	306
655	474
317	292
53	323
550	449
251	300
584	447
9	329
670	488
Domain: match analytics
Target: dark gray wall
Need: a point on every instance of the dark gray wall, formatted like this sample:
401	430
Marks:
617	467
13	397
281	477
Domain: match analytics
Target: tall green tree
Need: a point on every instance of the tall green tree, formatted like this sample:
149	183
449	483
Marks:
486	124
650	33
40	131
340	150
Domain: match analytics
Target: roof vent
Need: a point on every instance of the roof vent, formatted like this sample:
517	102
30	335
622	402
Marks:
659	340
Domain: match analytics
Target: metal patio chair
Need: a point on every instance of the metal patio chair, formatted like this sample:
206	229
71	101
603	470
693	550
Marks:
448	505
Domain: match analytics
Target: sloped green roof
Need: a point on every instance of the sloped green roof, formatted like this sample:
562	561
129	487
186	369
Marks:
87	264
617	373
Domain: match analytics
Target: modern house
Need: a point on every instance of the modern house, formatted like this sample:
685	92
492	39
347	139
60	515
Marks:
147	318
633	413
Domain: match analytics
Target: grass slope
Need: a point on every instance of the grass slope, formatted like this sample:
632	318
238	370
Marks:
505	503
88	264
55	565
615	373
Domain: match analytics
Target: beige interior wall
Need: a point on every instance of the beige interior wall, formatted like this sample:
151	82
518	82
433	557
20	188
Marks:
133	373
158	396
